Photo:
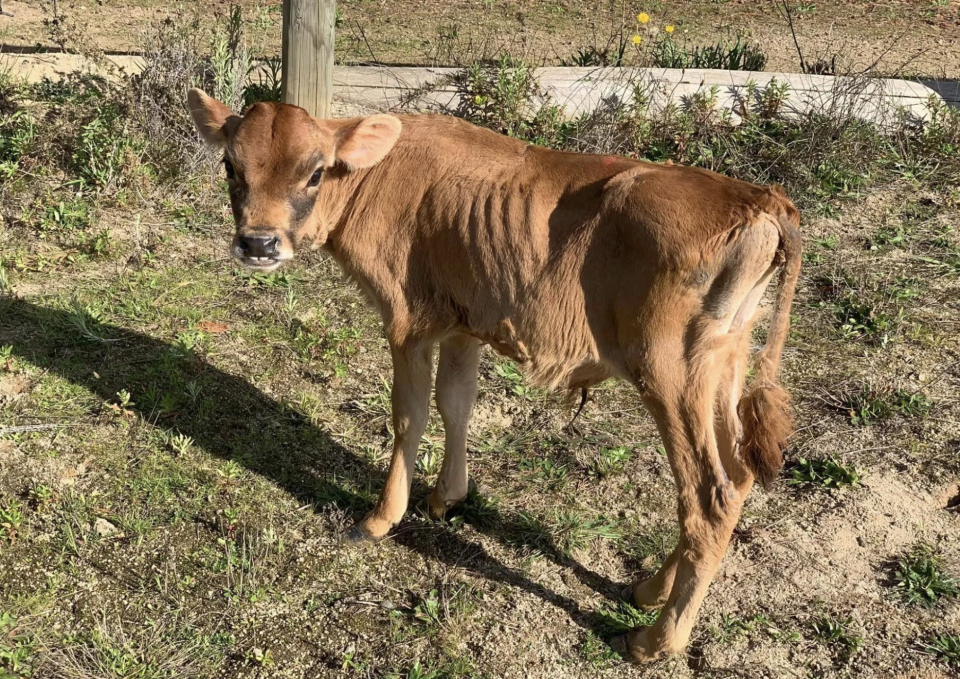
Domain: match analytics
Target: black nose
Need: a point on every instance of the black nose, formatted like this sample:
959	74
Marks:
259	246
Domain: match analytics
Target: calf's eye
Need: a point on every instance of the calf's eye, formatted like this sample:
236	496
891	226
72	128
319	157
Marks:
315	178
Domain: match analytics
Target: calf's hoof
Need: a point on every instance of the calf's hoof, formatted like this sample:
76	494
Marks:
370	530
637	648
439	509
642	595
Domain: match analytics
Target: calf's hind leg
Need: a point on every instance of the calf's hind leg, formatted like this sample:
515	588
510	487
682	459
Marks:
456	395
682	403
654	591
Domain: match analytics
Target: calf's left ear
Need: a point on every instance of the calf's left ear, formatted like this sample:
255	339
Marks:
209	116
364	143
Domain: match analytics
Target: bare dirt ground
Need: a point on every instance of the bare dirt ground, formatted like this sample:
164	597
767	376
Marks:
905	37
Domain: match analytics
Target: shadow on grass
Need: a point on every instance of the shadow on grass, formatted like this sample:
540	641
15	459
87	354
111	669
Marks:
232	419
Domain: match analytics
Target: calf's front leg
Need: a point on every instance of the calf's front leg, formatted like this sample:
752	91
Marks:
412	368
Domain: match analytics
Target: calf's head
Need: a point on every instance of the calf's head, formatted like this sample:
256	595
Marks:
281	166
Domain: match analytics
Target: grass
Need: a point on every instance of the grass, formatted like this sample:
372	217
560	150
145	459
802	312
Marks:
827	473
231	427
870	404
920	579
730	55
837	634
945	647
622	617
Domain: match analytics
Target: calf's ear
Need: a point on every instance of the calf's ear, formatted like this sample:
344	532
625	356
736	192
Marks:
365	142
209	116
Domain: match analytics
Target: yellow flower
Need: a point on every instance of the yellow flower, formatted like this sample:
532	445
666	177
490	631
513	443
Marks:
668	29
637	40
643	17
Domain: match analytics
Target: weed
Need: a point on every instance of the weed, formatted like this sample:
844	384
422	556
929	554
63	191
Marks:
828	473
11	517
502	98
66	216
858	318
836	633
105	151
86	321
596	651
552	474
738	55
16	649
17	133
610	54
733	627
944	646
563	534
477	510
623	617
179	443
611	461
428	610
509	373
870	405
919	578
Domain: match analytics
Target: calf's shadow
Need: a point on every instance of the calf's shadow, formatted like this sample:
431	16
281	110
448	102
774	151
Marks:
232	419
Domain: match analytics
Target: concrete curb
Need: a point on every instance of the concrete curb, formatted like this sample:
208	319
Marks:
577	90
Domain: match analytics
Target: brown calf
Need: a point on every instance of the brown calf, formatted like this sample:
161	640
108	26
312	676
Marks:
579	267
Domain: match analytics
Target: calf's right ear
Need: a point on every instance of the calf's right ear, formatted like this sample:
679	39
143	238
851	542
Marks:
209	116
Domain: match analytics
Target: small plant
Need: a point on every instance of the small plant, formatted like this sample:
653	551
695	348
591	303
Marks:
105	150
835	633
508	371
859	318
828	473
66	216
870	404
86	321
547	471
611	54
738	55
611	461
428	609
40	495
17	132
507	97
944	646
911	404
623	617
919	578
16	649
179	443
596	651
565	533
11	517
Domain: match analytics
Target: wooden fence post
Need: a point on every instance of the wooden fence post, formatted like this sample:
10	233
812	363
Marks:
308	54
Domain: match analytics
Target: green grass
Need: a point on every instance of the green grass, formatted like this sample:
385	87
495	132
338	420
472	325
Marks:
622	617
562	532
944	646
870	405
611	461
826	473
230	426
17	649
729	55
919	578
837	634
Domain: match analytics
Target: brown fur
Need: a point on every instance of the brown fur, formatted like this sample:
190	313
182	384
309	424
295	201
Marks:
580	267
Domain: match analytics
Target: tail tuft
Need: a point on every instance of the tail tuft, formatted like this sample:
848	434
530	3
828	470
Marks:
767	424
